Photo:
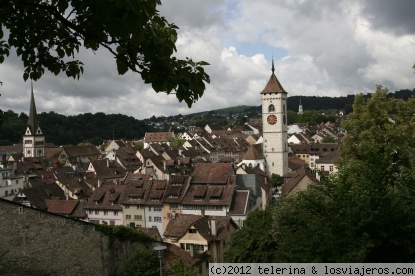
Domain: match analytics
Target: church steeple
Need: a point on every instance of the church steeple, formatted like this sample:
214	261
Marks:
33	139
33	122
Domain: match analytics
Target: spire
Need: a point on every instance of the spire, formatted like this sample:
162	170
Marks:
273	85
33	123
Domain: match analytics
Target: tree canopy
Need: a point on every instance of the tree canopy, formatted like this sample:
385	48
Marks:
47	34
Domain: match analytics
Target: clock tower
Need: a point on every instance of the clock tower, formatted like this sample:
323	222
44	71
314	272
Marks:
274	126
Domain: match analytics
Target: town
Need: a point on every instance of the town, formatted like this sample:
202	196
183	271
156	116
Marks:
190	196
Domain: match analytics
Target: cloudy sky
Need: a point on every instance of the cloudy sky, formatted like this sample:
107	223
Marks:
320	47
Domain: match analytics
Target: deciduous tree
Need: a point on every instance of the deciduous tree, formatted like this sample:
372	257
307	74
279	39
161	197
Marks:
47	34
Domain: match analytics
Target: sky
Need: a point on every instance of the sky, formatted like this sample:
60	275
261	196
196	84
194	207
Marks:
319	47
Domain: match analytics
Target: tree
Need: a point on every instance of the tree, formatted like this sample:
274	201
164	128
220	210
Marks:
277	180
143	262
253	243
179	268
328	139
366	212
48	35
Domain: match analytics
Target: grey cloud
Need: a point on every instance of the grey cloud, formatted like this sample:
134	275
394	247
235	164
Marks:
393	16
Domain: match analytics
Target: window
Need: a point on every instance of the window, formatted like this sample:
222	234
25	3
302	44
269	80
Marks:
174	206
322	168
128	217
105	213
149	219
96	212
271	108
138	217
127	206
157	219
196	247
115	213
331	168
192	231
149	208
140	207
90	212
157	209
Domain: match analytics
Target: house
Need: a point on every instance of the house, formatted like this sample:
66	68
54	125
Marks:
172	253
253	157
126	157
133	200
325	165
103	206
71	154
211	189
158	138
299	181
173	196
115	145
37	192
10	183
201	234
71	183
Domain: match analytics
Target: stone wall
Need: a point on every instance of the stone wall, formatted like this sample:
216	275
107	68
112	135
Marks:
41	243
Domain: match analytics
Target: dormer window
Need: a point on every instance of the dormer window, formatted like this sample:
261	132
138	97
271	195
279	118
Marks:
192	231
198	197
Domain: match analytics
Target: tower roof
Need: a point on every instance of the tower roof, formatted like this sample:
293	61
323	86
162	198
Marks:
33	122
273	85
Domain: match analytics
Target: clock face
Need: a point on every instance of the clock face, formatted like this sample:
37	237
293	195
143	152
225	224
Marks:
271	119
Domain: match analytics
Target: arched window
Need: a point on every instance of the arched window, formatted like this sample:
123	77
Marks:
271	108
283	108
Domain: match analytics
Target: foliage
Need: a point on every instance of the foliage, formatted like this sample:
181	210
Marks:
277	180
143	262
328	139
49	34
253	243
124	233
179	268
72	130
176	142
138	147
366	212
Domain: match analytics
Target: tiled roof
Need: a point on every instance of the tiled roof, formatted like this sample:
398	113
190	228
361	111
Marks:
214	194
153	137
253	154
178	226
61	207
212	173
273	86
239	202
106	197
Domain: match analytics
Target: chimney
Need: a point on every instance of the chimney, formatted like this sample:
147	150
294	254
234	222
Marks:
108	163
213	229
164	165
99	182
202	212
